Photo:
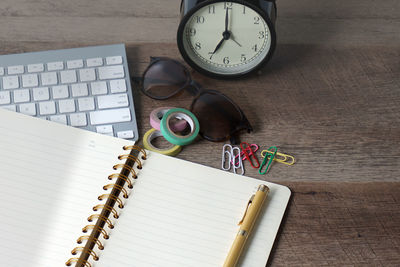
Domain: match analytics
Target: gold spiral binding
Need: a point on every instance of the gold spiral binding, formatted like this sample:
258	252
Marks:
106	207
127	172
106	196
92	253
123	177
137	148
71	260
129	156
126	167
86	237
120	188
92	226
101	217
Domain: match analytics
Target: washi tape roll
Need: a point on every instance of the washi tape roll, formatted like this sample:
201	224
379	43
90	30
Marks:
150	135
182	114
156	116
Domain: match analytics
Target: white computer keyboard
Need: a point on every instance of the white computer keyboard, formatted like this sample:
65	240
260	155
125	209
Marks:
82	87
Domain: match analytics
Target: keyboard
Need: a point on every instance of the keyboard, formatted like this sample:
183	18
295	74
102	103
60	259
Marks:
86	87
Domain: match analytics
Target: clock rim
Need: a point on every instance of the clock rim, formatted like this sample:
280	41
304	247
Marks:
189	14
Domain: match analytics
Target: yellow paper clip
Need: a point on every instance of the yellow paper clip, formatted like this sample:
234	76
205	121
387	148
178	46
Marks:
280	157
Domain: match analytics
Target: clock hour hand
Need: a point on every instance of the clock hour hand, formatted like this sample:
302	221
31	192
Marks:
216	48
226	34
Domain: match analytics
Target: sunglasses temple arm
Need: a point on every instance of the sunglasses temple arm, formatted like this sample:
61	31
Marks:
234	139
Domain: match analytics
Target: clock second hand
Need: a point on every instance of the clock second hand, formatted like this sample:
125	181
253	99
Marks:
230	36
233	39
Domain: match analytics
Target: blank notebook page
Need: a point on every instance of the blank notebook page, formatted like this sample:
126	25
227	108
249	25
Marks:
50	178
184	214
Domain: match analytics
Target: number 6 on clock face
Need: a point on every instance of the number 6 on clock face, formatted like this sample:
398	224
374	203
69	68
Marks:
226	38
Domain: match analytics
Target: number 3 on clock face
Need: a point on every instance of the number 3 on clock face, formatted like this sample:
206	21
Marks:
226	38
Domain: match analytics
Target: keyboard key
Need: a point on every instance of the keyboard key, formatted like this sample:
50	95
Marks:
75	64
110	116
79	89
111	72
41	93
5	97
78	119
118	86
30	80
1	71
125	134
21	96
114	60
10	82
94	62
68	76
60	91
112	101
59	118
86	103
10	107
105	129
28	109
87	75
47	108
67	105
49	78
35	68
99	88
59	65
15	70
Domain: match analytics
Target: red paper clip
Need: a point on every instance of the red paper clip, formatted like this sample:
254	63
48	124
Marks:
248	152
255	148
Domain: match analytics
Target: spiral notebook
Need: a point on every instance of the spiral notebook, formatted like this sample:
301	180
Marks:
70	196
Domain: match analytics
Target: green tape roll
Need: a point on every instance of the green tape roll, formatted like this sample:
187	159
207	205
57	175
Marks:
182	114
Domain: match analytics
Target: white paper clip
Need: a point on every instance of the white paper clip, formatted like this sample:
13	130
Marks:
231	160
226	157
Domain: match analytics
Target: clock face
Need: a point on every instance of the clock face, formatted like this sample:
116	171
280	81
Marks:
226	38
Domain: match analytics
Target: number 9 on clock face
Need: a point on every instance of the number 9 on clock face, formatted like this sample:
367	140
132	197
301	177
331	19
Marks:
226	38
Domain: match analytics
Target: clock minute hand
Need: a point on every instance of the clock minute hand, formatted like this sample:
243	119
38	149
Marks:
225	34
226	19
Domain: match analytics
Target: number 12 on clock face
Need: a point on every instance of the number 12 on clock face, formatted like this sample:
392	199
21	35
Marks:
226	38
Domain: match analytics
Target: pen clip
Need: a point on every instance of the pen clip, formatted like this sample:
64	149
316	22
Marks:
247	208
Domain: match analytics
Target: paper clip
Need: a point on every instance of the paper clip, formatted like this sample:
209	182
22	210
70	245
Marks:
254	148
237	159
271	157
226	157
248	152
280	157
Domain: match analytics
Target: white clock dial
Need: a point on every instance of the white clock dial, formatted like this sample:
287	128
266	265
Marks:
226	38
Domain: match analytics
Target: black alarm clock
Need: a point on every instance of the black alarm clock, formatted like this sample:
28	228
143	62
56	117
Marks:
225	39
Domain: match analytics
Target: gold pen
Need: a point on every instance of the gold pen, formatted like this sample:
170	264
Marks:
246	225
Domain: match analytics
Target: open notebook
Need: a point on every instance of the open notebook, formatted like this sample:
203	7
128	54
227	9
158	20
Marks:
177	214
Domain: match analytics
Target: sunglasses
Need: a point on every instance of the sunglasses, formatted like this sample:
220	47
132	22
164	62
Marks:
219	117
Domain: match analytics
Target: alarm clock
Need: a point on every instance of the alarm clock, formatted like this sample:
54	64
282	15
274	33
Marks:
225	39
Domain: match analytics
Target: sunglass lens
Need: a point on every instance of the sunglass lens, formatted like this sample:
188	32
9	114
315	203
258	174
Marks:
217	116
164	78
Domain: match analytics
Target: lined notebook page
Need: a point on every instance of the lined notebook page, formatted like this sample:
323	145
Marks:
184	214
50	178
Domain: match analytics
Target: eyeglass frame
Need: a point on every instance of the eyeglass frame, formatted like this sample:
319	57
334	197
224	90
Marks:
192	84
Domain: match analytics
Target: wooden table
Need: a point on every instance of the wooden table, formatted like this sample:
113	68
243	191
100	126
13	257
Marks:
330	97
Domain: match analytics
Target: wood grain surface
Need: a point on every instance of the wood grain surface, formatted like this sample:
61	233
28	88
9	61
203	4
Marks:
330	97
340	224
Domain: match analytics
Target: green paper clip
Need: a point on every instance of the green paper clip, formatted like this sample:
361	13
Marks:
271	157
